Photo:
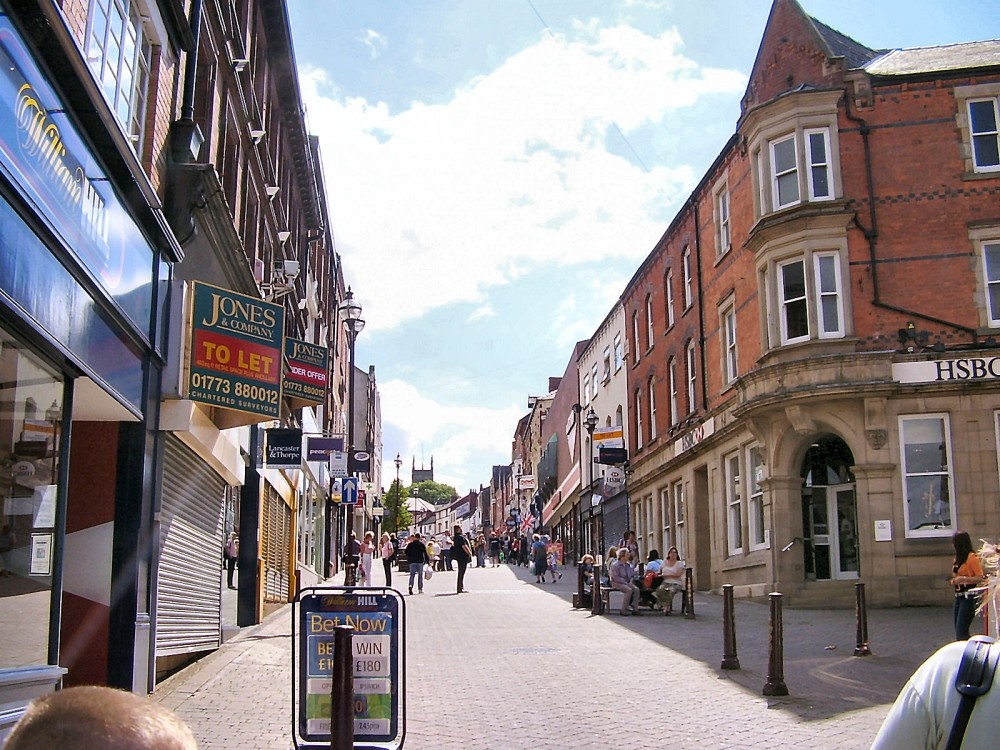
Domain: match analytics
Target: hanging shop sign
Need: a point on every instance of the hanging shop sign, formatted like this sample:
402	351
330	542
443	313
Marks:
306	376
283	449
320	448
610	444
236	345
338	464
526	482
361	462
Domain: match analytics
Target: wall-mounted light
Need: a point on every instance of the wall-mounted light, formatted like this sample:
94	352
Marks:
271	191
282	281
283	236
257	135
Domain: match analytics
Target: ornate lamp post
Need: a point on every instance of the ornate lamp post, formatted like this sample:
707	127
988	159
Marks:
350	315
590	422
399	502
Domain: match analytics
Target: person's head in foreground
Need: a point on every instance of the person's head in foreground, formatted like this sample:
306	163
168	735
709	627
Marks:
99	717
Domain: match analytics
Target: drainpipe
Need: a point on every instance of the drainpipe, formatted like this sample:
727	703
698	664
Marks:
871	232
701	307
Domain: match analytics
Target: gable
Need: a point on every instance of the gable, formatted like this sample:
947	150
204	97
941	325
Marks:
797	52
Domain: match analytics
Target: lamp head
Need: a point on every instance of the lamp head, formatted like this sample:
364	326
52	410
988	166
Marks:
591	420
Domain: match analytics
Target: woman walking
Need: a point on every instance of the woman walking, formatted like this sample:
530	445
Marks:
967	575
388	554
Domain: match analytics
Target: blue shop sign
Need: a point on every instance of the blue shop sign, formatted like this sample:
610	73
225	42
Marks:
44	155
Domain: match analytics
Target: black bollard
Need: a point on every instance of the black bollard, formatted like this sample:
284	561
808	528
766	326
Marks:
729	658
580	580
861	611
688	601
775	684
596	604
342	690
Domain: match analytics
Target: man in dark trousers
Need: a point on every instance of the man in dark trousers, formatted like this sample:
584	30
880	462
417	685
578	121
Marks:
417	557
461	553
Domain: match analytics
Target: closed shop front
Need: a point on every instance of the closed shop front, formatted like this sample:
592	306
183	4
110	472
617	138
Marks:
188	596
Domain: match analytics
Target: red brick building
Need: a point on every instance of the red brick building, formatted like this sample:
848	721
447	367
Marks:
813	368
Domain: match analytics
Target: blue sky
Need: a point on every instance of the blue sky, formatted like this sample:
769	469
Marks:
497	170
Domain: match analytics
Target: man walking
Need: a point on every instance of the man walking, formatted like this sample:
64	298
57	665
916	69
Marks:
461	553
417	557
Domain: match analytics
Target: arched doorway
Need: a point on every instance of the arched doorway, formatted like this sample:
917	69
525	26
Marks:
829	511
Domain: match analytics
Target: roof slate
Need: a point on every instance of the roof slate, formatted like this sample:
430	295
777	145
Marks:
902	62
854	53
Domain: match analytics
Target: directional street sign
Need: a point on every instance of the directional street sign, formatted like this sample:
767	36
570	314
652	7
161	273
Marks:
349	487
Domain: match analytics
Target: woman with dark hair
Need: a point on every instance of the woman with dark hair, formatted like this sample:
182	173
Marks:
967	575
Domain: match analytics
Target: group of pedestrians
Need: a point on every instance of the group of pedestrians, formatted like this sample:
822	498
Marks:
419	559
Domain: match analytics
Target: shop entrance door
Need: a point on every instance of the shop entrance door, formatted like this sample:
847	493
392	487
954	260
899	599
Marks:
830	523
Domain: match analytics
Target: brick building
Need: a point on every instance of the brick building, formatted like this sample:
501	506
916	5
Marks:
812	361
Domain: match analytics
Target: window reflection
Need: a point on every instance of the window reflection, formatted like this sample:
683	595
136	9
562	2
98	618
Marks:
30	417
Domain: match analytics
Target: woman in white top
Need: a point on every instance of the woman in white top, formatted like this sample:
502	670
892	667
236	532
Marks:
367	550
387	552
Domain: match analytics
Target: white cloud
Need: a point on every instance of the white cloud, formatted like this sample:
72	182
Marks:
459	435
510	174
375	42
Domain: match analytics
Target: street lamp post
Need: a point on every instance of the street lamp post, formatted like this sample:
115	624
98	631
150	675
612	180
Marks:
590	422
350	315
399	502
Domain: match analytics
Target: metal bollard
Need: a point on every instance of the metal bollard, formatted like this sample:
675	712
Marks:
861	612
688	594
775	684
580	580
596	604
342	690
729	658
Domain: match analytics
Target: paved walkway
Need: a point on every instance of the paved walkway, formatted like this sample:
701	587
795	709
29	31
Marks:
512	665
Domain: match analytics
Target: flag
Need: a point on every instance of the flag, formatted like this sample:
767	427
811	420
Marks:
528	522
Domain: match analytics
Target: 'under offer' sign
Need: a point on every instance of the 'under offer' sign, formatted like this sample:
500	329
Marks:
236	346
307	370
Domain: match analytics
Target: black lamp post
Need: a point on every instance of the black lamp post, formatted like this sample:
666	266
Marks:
590	422
399	502
350	315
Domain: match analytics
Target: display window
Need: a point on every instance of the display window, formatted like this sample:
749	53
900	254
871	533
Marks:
31	395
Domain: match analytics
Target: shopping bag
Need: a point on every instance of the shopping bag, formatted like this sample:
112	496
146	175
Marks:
428	572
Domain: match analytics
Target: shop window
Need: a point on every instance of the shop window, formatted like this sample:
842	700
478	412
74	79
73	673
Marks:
119	54
927	478
677	490
755	500
29	451
734	508
666	533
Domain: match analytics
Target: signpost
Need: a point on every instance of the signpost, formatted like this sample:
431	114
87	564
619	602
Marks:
378	644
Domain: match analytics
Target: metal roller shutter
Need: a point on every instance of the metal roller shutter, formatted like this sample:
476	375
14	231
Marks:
276	528
189	588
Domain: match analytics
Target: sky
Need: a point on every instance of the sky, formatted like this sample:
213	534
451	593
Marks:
497	170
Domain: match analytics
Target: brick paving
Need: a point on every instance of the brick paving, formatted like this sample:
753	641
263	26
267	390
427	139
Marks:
512	665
